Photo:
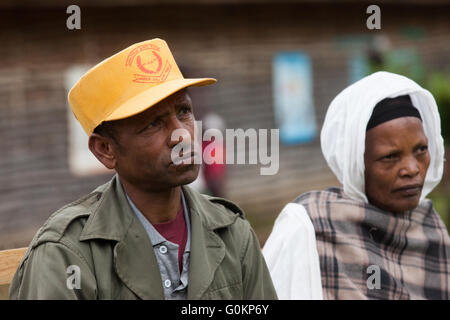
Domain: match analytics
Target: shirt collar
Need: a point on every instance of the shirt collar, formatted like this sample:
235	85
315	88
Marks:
155	237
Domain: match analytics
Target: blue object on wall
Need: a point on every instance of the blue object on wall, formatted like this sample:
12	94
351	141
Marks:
359	67
293	97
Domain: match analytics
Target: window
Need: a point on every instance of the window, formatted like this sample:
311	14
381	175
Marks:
81	160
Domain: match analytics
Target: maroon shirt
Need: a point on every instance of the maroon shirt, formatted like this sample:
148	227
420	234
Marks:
175	231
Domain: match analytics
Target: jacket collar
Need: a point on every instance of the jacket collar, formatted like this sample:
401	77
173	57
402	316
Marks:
207	248
135	262
112	216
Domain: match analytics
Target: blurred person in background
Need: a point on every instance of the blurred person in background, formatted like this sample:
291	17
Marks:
212	176
214	173
377	236
144	234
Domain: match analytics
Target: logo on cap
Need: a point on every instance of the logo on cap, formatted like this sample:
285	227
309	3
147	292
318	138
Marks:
150	65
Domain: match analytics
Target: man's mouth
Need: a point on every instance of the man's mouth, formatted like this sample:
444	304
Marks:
186	159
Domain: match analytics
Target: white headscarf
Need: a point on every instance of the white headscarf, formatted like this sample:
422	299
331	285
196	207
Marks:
344	130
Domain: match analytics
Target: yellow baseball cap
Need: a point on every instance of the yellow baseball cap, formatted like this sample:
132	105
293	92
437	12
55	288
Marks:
128	83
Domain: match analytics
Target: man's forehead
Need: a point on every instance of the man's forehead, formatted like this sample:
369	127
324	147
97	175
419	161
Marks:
174	99
180	97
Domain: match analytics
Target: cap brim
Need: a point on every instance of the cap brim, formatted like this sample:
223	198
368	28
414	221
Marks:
152	96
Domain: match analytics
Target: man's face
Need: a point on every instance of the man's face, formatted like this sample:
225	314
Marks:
143	152
396	161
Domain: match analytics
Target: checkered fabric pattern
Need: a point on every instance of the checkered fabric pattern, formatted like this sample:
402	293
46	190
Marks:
410	251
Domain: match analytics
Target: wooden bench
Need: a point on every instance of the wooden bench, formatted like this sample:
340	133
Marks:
9	261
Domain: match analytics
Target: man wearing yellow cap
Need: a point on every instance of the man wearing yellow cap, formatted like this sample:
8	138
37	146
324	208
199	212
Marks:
144	234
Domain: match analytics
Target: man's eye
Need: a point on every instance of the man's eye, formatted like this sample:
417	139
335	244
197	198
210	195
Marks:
185	110
154	123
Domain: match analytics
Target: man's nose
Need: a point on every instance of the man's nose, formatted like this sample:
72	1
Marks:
177	133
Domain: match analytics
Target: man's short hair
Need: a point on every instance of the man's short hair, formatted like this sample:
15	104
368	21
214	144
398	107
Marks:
107	129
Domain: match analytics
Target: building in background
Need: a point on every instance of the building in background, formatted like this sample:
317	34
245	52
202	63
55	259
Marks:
41	159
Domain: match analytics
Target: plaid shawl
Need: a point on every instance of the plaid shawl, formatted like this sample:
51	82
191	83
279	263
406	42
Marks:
411	250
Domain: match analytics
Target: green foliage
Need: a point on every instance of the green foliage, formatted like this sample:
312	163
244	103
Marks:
438	83
441	204
400	61
408	63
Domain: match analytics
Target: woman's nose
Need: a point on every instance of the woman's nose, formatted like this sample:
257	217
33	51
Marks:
410	167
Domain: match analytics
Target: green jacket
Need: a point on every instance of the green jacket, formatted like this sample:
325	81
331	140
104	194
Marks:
101	235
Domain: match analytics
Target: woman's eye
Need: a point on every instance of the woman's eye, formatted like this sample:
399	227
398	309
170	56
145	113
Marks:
391	156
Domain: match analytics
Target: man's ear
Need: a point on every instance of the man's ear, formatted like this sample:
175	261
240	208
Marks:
103	150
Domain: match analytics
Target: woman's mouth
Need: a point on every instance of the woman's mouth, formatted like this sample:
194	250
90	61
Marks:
409	190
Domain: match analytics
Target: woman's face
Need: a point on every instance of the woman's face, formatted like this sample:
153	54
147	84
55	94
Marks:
396	161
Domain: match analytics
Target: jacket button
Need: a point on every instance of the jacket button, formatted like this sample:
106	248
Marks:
163	249
167	283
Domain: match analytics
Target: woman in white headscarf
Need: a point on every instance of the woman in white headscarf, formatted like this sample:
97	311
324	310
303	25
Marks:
377	236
